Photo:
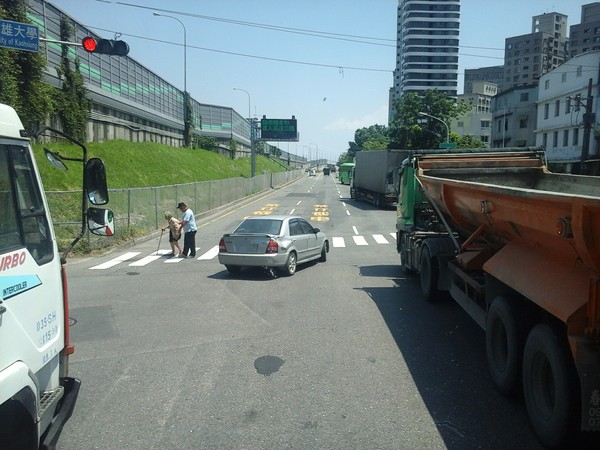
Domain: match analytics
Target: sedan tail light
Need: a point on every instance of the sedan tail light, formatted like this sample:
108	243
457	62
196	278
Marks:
222	247
272	247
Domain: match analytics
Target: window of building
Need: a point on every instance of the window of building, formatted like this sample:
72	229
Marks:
523	122
565	138
579	71
555	139
547	84
568	105
546	110
485	124
563	77
545	140
575	136
524	96
556	108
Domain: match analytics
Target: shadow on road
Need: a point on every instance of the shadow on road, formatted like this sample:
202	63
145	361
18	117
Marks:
445	354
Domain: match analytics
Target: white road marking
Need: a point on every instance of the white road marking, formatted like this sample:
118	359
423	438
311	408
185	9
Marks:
360	240
355	230
115	261
210	254
339	242
393	235
146	260
380	239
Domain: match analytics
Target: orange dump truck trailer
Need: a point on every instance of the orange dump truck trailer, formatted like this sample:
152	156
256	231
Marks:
518	247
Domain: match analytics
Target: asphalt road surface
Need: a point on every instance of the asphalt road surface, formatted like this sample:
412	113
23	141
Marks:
345	354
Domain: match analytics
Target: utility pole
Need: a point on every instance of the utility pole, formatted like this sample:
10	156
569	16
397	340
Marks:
588	120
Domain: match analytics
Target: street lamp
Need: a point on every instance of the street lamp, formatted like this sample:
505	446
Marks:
316	154
185	92
439	120
252	151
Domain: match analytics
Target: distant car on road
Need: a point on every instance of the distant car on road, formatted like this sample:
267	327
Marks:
279	241
326	170
312	173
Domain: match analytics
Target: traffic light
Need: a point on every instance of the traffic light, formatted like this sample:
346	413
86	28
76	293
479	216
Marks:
105	46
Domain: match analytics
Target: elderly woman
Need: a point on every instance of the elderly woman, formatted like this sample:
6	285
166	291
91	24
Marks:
174	226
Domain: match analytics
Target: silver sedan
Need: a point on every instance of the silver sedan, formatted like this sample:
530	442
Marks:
279	241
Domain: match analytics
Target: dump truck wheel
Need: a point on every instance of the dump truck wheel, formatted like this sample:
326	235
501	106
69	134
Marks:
429	274
503	346
547	386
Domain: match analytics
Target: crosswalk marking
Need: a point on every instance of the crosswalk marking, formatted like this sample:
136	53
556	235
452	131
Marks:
211	253
145	260
380	239
115	261
338	242
360	240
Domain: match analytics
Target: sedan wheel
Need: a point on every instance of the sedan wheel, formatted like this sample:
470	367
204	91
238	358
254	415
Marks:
290	266
323	257
233	269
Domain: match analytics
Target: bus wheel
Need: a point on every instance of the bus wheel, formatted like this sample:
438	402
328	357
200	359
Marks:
547	386
503	346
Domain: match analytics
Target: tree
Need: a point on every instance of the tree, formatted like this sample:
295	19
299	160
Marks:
21	85
374	137
72	104
467	141
409	130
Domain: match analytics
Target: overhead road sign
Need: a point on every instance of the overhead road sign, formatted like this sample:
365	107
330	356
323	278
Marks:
279	129
19	36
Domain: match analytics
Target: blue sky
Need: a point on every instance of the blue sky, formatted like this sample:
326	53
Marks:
333	83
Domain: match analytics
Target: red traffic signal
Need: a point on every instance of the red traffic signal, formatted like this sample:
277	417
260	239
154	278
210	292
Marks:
105	46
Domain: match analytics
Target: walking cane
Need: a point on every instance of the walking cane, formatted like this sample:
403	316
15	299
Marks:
161	233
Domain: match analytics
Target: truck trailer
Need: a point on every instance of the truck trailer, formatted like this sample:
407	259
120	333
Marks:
518	248
374	176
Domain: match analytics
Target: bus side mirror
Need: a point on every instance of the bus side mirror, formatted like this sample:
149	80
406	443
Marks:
95	181
101	221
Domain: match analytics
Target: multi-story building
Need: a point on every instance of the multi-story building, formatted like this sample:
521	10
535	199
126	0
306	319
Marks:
427	47
585	36
478	123
566	115
528	56
514	116
491	74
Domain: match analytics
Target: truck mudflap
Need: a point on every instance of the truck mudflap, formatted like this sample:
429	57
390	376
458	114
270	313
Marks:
587	362
63	413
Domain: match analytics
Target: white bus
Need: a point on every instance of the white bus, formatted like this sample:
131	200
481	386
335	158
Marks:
37	396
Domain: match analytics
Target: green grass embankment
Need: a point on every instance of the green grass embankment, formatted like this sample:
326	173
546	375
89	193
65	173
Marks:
130	164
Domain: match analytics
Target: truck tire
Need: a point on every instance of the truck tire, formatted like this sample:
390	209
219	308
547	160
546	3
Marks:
503	342
547	375
429	272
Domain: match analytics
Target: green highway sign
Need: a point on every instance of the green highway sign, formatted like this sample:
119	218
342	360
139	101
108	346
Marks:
19	36
278	129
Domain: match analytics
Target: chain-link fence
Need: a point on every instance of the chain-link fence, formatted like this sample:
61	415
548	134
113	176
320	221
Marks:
140	211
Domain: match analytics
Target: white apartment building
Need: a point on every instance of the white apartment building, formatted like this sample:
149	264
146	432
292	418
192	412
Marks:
564	97
478	123
427	47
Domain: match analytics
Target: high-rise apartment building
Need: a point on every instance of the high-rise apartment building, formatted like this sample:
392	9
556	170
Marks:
528	56
586	35
427	47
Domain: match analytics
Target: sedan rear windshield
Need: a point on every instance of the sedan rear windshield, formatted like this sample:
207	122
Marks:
266	226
